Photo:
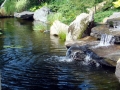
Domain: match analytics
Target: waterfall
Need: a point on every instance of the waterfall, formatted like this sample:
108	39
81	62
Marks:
106	40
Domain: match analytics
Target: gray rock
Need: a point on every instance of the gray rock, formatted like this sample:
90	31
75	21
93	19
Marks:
41	14
26	15
80	53
77	28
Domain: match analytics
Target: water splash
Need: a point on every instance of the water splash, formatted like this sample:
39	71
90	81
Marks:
89	61
59	59
106	40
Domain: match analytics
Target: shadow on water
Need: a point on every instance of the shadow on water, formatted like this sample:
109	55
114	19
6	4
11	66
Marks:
30	60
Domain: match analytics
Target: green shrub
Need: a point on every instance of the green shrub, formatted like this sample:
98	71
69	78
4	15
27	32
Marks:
21	5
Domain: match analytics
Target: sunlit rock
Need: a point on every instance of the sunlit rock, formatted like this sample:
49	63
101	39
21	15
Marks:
78	26
41	14
58	27
117	72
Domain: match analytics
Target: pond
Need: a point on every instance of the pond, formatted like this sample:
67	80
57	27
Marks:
31	60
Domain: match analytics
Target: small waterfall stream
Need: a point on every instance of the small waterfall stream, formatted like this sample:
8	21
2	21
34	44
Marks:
106	40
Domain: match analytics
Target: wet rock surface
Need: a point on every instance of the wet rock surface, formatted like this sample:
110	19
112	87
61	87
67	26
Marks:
79	53
26	15
104	29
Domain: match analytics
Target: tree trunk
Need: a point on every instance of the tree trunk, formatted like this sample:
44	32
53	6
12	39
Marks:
3	3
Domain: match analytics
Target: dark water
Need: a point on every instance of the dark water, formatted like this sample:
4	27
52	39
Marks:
31	60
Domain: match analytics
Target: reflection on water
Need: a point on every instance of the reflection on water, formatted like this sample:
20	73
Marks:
31	60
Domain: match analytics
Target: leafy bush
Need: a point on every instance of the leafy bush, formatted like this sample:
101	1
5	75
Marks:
9	7
116	4
21	5
55	16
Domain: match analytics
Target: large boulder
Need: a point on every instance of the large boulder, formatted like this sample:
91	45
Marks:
41	14
78	26
85	54
58	27
26	15
117	71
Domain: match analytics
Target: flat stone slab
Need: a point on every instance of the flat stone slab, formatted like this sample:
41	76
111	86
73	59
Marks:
26	15
110	53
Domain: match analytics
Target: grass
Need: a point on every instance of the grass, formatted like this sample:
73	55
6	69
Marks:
9	8
99	16
21	5
12	6
62	36
70	9
55	16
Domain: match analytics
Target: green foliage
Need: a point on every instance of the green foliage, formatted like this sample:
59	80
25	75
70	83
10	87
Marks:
70	9
105	12
10	7
99	16
62	36
55	16
108	5
34	8
21	5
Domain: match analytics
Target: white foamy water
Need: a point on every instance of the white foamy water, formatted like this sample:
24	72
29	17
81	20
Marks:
65	59
59	59
88	60
106	40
